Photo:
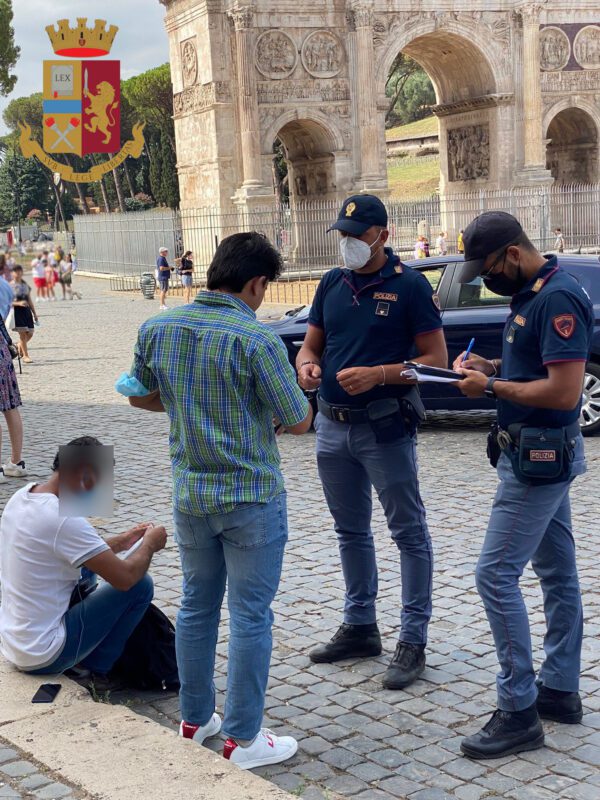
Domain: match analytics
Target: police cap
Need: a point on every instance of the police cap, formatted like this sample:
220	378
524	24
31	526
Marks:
359	213
487	234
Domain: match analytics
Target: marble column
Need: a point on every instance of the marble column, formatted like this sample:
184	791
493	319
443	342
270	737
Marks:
534	154
360	18
243	20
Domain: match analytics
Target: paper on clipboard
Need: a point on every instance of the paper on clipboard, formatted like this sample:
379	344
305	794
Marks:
424	374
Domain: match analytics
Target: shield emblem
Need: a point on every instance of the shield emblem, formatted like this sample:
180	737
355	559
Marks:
564	325
81	105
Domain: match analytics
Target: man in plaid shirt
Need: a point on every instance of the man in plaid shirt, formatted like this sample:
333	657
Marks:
222	377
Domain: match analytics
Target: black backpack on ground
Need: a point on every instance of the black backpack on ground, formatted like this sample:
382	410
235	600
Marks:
148	661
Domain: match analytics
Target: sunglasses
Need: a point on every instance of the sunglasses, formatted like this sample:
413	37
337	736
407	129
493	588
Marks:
502	255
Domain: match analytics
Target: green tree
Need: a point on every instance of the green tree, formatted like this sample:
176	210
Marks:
150	96
9	52
409	91
25	109
32	181
168	179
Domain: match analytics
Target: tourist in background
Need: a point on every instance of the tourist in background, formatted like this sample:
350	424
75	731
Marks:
4	268
187	275
559	243
164	273
426	247
24	312
66	277
39	278
460	245
441	244
420	247
50	279
10	400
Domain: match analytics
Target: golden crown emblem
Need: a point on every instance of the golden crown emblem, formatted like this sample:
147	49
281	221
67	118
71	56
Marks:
82	41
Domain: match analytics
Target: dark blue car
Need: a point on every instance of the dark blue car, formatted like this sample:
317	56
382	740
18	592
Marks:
470	310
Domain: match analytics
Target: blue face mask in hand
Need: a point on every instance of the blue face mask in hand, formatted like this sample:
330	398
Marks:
356	254
130	387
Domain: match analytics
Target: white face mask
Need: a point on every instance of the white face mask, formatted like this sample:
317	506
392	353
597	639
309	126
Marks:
355	253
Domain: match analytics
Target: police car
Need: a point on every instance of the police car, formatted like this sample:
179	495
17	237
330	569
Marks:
470	310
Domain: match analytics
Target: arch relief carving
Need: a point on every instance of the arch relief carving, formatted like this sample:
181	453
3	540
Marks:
322	54
555	49
189	63
469	153
586	47
276	55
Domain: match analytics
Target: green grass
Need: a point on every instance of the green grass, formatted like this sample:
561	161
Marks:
413	179
422	127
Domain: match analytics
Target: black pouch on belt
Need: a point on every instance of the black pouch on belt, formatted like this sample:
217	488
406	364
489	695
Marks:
385	420
543	456
493	448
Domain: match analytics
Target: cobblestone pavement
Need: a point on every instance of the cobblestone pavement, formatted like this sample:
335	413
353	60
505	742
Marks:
22	779
356	739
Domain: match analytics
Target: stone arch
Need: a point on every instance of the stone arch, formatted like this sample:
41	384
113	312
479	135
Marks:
572	136
310	142
449	55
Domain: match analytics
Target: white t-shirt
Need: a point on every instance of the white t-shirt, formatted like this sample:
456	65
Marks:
40	563
37	269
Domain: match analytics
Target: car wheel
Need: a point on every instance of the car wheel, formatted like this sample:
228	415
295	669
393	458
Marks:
590	406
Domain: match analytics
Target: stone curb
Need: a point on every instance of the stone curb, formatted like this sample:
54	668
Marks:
111	752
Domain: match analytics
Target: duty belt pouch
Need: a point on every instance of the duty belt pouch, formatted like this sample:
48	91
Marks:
543	456
493	448
385	420
412	409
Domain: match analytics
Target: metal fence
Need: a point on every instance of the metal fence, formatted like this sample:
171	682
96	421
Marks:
126	245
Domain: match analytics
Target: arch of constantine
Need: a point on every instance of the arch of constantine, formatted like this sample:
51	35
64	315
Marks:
517	88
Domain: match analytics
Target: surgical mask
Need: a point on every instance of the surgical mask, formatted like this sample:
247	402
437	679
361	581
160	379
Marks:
355	253
503	285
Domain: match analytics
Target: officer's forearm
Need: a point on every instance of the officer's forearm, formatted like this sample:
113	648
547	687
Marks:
544	393
307	355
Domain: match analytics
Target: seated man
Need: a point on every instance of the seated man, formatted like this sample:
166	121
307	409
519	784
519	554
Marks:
41	557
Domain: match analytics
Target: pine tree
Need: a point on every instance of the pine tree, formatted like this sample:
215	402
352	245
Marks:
9	53
169	182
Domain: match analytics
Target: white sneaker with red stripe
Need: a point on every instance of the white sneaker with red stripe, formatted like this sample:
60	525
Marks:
265	749
198	733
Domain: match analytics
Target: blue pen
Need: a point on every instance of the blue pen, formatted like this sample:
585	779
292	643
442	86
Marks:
468	351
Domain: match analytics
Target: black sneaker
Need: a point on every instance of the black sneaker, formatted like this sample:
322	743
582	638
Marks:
559	706
405	667
507	732
350	641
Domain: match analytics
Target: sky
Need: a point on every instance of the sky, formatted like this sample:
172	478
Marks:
140	44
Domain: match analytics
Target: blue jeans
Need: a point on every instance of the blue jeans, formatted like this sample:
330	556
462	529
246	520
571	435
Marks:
244	549
99	626
532	523
350	462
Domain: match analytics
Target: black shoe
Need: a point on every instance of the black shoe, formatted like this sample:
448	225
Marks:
507	732
559	706
405	667
350	641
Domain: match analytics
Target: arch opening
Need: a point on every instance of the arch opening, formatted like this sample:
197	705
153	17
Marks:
307	149
572	147
460	74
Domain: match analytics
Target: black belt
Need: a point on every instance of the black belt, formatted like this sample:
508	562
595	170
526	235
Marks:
351	416
514	431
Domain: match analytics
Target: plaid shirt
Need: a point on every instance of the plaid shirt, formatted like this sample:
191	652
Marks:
222	375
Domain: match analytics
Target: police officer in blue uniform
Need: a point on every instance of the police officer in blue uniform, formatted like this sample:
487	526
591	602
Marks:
366	320
538	448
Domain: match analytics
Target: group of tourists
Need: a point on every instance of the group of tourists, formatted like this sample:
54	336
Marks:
51	268
227	387
184	267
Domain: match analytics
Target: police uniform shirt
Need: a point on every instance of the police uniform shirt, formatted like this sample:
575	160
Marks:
551	321
370	320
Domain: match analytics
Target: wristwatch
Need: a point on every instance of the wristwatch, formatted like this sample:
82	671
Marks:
489	388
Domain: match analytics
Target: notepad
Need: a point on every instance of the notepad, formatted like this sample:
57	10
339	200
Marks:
424	374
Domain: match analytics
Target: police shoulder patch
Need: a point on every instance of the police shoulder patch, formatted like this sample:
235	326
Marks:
436	301
564	325
520	320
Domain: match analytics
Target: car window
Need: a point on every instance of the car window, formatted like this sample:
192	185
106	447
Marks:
476	293
433	274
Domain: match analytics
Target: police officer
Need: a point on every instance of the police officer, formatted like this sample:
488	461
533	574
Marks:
366	320
538	384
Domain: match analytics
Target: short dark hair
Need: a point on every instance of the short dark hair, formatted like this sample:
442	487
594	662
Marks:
81	441
16	267
241	257
524	241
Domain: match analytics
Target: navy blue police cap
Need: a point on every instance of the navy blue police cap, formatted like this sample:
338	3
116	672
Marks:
488	233
359	213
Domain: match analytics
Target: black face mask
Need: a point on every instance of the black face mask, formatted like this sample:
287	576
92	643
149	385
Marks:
503	285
